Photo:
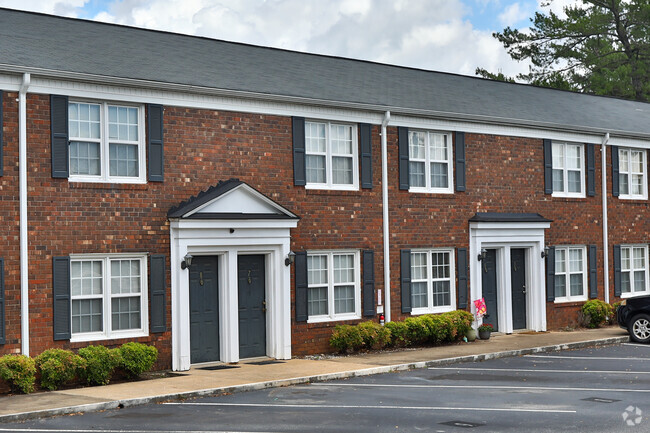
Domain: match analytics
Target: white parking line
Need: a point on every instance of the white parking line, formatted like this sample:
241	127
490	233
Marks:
536	370
345	406
47	430
603	358
489	387
647	346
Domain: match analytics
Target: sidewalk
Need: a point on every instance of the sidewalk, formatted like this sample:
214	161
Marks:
249	375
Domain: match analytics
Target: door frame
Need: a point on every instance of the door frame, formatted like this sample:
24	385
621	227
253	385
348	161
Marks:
503	236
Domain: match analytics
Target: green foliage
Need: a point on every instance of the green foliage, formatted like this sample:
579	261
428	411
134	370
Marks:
399	334
462	323
600	47
346	338
486	327
136	358
19	371
612	316
596	312
58	366
374	335
101	362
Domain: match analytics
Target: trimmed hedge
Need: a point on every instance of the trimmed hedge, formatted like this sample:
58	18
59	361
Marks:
596	312
58	366
429	329
101	361
136	358
19	371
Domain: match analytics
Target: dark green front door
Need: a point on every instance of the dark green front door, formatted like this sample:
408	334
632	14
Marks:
518	281
204	310
252	306
489	284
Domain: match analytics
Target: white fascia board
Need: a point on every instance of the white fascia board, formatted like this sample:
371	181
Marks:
508	226
235	223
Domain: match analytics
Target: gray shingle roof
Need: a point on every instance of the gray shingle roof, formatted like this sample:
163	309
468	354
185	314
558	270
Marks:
77	46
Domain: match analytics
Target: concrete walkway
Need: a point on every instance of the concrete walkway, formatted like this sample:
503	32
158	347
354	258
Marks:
252	374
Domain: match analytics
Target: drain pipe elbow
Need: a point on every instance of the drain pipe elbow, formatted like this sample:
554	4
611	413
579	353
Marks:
603	155
22	181
384	201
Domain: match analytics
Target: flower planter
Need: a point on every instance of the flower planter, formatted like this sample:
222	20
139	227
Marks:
484	335
471	334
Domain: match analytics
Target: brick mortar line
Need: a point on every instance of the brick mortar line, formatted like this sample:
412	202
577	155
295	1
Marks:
115	404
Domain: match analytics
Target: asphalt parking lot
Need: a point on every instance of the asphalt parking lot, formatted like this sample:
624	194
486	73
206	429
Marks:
603	389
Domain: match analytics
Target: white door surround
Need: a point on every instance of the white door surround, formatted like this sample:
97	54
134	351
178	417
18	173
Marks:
486	233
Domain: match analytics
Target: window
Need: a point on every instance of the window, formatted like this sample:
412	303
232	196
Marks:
631	174
331	155
334	292
634	270
432	281
570	274
108	297
568	170
430	165
106	142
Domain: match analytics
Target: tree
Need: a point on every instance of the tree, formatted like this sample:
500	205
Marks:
601	47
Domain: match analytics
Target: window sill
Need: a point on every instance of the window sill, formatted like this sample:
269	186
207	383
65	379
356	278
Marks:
570	300
332	188
635	294
436	310
416	190
82	338
633	197
341	318
567	195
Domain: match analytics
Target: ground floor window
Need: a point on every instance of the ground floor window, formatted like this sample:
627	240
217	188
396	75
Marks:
634	269
333	291
432	281
570	274
108	296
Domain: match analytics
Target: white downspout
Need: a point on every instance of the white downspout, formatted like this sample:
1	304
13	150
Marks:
603	155
22	176
384	202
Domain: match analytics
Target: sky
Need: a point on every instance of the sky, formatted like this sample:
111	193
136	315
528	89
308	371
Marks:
443	35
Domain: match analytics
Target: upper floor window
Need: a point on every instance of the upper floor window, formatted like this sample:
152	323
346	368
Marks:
331	155
570	274
432	281
632	174
334	292
106	142
568	170
634	270
430	162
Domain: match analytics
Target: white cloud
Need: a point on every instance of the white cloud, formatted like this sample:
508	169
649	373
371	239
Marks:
513	14
66	8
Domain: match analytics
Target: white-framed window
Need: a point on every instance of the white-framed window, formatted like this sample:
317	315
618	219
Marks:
331	155
632	170
433	288
570	274
430	162
568	170
109	297
334	290
106	142
634	270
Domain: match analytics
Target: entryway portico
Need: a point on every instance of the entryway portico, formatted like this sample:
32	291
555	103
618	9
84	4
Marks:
507	269
245	238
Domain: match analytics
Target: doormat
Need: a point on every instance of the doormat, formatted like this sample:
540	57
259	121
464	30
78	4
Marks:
271	361
218	367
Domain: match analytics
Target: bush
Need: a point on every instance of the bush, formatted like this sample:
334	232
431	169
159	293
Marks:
374	335
398	334
346	338
418	332
19	371
58	366
100	363
596	312
612	316
462	323
136	358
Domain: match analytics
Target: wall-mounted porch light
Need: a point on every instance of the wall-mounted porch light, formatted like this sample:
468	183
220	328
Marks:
482	255
291	257
187	261
545	252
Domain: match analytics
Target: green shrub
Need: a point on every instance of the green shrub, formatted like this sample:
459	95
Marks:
100	363
596	312
19	371
417	330
58	366
374	335
346	338
440	329
399	335
461	321
136	358
612	316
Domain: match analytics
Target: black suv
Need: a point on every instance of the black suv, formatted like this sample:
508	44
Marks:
634	315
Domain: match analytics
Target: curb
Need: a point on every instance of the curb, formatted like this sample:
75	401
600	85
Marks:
119	404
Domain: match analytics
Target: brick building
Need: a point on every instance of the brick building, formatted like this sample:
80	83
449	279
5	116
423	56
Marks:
224	201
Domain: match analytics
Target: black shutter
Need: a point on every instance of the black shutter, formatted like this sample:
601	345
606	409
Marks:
299	171
1	136
3	335
300	264
155	142
550	274
615	189
61	289
403	144
460	161
617	270
591	170
365	134
548	167
462	278
59	129
157	293
593	272
405	264
369	283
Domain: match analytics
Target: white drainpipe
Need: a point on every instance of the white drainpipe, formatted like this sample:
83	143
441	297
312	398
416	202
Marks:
603	155
22	171
384	201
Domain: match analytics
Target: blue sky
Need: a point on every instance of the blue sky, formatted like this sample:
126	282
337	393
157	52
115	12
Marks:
444	35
